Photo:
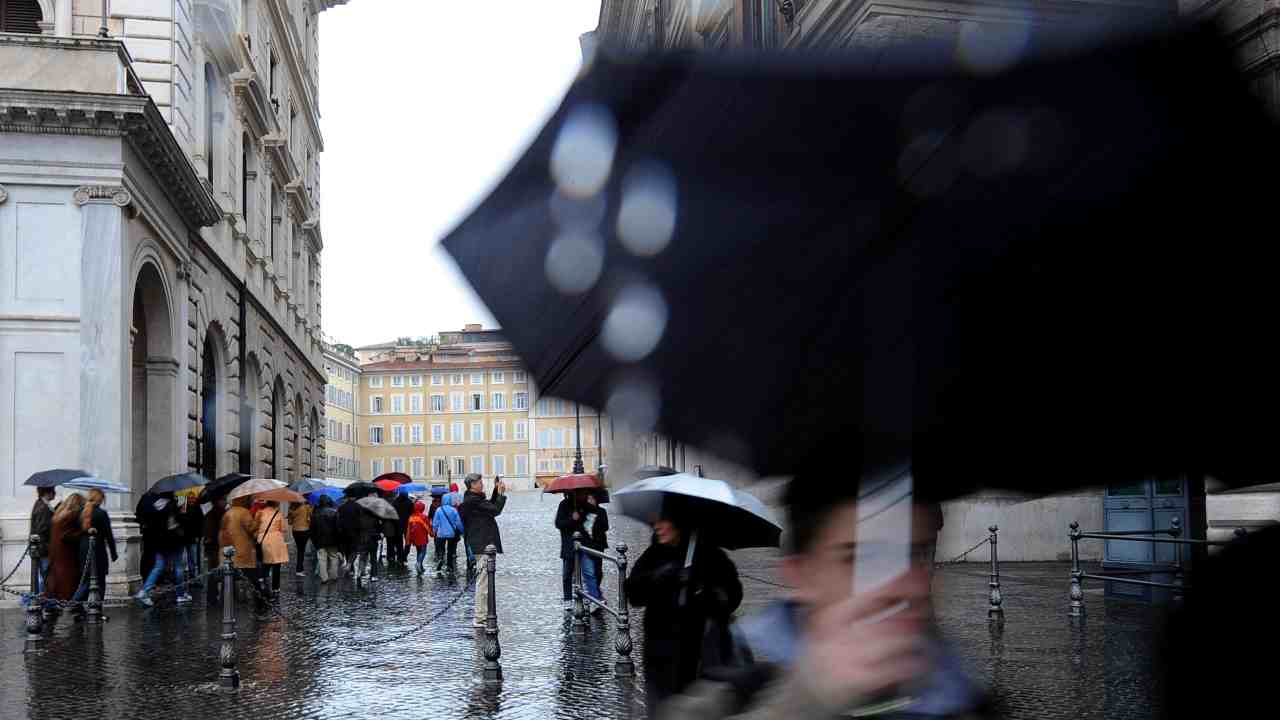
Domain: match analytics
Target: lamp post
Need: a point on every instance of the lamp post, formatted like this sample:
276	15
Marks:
577	440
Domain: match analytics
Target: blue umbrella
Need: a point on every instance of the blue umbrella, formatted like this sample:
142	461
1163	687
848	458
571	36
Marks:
314	496
53	478
437	490
411	488
181	481
93	483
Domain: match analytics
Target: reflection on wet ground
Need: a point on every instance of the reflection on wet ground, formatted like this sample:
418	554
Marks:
347	653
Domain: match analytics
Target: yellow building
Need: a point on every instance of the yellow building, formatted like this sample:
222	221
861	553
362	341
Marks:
341	434
554	445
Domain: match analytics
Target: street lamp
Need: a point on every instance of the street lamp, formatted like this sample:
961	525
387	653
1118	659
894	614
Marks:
577	441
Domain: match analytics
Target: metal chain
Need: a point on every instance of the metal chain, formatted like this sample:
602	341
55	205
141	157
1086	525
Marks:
962	555
25	551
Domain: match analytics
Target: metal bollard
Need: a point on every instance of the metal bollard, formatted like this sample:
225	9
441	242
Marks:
1175	531
492	649
93	602
624	666
579	610
229	675
35	617
995	613
1076	606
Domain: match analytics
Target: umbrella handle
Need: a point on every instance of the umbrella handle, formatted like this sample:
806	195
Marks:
688	563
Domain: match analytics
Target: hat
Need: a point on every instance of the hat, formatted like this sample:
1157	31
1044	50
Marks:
418	506
453	487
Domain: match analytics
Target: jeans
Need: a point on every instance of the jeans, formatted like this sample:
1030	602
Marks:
43	575
173	559
193	560
422	556
447	552
590	586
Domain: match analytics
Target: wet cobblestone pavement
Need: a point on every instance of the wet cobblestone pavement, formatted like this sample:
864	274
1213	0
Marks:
345	653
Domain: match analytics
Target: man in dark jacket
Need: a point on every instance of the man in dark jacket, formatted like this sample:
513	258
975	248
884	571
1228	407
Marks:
212	549
404	508
327	539
349	520
480	525
42	525
577	518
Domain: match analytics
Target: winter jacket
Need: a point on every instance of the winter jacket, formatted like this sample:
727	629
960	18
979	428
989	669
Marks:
41	523
192	520
154	513
404	508
300	517
237	531
418	533
569	528
213	528
270	533
674	634
447	523
324	526
479	517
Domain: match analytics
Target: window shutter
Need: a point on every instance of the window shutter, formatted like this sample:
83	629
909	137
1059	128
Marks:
20	16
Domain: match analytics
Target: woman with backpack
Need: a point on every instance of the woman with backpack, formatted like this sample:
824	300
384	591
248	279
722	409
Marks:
447	524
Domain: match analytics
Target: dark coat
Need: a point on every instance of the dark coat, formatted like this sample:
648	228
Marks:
65	567
569	527
479	521
324	527
104	546
42	523
673	635
404	508
351	525
193	523
156	533
212	527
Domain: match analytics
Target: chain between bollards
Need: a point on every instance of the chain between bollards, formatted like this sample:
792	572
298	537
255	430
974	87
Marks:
1076	593
229	674
93	608
492	648
35	614
995	613
624	666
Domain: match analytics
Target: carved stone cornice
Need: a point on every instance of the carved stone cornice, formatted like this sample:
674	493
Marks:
300	199
114	194
293	61
283	167
253	104
311	226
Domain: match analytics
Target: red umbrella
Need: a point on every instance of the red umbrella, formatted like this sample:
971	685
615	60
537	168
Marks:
398	478
569	483
387	484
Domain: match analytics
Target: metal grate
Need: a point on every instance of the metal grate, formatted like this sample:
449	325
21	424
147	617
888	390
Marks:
20	16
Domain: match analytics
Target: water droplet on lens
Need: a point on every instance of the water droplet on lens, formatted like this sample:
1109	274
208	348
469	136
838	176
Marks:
635	323
583	152
647	216
577	212
574	262
636	403
987	48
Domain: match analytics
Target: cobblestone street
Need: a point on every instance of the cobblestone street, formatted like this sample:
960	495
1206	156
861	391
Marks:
345	653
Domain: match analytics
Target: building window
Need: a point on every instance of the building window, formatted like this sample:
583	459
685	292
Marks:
520	401
397	465
517	376
437	379
499	431
437	433
375	381
522	465
544	438
375	466
460	466
21	16
419	466
415	403
499	377
440	467
499	464
437	403
397	381
477	464
521	430
416	381
333	429
212	118
477	432
375	404
544	407
499	401
544	466
457	402
397	404
456	379
397	434
458	432
477	378
559	465
375	434
477	401
415	434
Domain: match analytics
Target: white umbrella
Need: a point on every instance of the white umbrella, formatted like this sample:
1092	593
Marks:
93	483
253	487
734	519
378	507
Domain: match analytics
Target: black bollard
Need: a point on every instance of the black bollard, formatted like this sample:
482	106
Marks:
229	675
624	666
492	649
35	617
1076	593
1179	578
995	613
93	603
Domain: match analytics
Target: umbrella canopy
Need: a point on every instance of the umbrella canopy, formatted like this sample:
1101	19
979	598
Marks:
969	269
181	481
306	485
314	496
223	485
53	478
379	507
281	495
648	471
411	488
439	490
254	487
387	485
569	483
361	489
731	518
396	477
93	483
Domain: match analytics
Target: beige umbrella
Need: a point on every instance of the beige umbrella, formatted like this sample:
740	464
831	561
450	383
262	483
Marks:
255	486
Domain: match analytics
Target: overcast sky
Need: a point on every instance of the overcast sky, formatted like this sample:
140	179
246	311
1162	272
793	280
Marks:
424	106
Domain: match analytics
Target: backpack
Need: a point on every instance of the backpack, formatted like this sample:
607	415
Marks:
418	533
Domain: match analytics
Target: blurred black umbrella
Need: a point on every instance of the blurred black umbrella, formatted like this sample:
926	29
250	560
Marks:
647	471
306	485
1042	278
379	507
223	485
56	477
361	489
181	481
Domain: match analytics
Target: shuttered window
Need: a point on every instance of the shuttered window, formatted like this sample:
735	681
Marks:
20	16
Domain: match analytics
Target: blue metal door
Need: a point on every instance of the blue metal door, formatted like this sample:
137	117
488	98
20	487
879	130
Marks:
1149	504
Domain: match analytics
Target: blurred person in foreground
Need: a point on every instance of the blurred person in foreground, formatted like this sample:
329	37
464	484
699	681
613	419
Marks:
820	653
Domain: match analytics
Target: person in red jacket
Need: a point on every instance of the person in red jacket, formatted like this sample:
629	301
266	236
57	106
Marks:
418	533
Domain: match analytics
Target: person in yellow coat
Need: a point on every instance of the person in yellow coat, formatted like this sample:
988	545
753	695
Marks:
300	522
270	533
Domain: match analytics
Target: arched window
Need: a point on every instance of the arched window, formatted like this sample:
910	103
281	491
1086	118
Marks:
212	119
20	16
246	176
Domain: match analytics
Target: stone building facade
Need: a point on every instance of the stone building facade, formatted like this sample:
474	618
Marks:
160	240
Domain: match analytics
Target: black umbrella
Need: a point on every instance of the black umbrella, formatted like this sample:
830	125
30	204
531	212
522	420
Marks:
56	477
1044	277
647	471
306	485
223	485
361	489
181	481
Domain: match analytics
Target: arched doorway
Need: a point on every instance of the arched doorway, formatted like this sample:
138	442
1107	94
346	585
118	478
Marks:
298	430
250	420
315	462
210	403
155	373
279	468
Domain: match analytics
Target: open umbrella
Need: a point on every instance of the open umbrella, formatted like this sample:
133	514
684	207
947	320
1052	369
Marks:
396	477
569	483
53	478
254	487
306	485
733	518
181	481
439	490
222	486
648	471
93	483
411	488
386	485
314	496
361	489
378	507
979	271
281	495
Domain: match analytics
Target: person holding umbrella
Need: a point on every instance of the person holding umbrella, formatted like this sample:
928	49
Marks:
160	518
448	528
42	525
93	516
212	548
300	522
64	548
237	531
327	539
270	530
578	516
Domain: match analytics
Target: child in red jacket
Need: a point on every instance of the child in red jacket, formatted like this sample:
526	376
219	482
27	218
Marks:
418	533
